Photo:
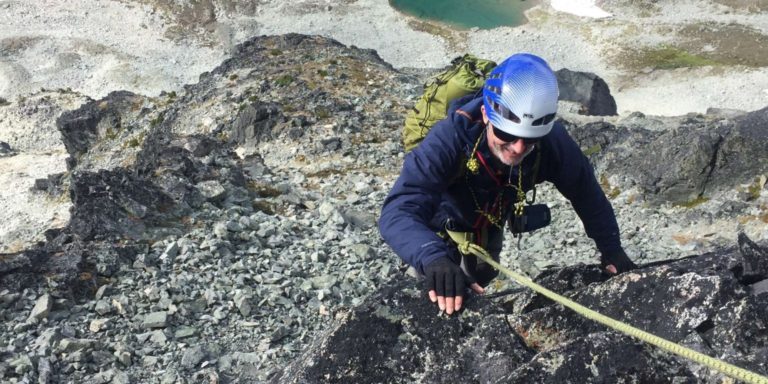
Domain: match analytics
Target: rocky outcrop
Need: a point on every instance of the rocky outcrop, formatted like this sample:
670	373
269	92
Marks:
164	188
682	159
118	204
108	133
81	129
702	302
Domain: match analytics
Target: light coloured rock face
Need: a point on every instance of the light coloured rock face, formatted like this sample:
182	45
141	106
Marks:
29	128
94	47
156	45
25	215
28	125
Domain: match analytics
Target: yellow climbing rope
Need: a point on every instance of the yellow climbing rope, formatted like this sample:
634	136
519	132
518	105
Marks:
467	248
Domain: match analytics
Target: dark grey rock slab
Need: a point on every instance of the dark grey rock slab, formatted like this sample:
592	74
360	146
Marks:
396	335
588	89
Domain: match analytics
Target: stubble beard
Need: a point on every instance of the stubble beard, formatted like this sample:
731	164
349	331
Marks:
498	153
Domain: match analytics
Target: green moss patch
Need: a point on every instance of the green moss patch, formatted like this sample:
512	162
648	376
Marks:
284	80
699	45
136	141
693	203
592	150
667	57
322	113
156	121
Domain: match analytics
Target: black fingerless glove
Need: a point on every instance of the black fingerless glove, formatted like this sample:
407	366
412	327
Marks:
618	259
445	277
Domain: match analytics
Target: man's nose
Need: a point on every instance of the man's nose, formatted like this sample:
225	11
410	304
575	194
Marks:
517	146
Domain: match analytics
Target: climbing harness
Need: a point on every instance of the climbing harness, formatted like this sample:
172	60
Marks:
466	247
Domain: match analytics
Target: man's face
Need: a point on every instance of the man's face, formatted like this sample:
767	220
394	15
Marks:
508	152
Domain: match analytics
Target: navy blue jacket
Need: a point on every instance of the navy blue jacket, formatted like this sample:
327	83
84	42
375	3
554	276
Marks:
434	186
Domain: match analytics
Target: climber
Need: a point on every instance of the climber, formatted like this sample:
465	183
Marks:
469	176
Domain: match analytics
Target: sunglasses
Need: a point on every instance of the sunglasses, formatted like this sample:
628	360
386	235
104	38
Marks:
509	138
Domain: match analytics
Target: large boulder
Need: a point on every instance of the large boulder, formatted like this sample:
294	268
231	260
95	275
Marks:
742	153
111	203
587	89
255	122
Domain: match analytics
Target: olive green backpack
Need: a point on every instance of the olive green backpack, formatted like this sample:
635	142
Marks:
465	75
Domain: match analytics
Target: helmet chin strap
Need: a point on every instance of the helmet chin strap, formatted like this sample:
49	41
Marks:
527	152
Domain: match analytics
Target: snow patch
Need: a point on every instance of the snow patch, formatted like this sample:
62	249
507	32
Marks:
586	8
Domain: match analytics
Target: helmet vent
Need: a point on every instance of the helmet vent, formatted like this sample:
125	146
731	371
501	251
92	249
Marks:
494	89
505	112
544	120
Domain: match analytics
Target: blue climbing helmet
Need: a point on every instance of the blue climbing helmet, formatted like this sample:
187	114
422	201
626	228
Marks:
520	96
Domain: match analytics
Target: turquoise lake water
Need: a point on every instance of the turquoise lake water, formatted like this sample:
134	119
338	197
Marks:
484	14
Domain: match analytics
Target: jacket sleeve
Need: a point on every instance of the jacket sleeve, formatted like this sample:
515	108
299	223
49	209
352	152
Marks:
572	174
416	196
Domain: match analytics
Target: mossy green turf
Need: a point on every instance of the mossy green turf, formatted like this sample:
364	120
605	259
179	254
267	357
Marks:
484	14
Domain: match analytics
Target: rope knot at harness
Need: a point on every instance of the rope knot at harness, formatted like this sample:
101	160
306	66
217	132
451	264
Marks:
464	244
464	248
